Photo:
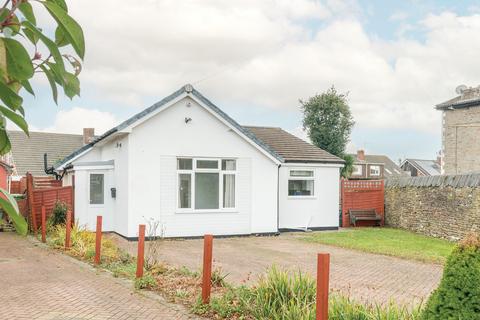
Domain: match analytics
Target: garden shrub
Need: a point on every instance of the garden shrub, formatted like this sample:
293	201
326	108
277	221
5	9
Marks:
59	214
458	295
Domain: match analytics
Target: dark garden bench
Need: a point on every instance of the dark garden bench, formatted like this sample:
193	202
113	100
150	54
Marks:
364	215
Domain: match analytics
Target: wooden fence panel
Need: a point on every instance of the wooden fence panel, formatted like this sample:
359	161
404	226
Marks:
362	194
48	198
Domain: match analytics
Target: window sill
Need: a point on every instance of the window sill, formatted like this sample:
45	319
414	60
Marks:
213	211
96	205
301	197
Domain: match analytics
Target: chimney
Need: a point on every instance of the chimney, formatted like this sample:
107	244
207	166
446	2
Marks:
361	155
88	135
468	93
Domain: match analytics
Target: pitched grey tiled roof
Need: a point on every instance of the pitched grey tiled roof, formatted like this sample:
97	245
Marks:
303	151
428	167
161	103
290	147
27	153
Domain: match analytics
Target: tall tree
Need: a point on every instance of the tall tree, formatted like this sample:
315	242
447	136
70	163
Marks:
328	122
26	50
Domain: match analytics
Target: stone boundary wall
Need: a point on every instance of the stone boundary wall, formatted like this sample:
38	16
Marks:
440	206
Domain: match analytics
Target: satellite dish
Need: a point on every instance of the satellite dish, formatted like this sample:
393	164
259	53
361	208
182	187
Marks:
460	89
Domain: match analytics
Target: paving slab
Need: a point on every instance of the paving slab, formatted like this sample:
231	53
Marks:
365	277
39	283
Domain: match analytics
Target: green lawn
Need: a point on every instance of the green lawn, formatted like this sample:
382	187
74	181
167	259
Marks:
387	241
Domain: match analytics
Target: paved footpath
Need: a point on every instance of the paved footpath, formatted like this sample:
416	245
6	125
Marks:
39	283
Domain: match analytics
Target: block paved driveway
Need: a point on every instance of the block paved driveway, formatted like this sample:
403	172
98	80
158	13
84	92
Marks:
365	277
39	283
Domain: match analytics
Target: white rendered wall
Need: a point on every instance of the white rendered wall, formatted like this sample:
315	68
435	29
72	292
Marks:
321	210
154	147
115	210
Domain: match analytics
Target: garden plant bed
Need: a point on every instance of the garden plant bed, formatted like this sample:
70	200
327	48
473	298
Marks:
387	241
279	294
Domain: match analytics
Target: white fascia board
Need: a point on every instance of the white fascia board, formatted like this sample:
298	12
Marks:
62	167
191	96
101	167
312	165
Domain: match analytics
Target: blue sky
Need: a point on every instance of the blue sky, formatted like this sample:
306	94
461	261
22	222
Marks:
397	59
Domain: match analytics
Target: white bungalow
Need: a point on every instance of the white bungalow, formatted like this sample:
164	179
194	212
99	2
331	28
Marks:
188	165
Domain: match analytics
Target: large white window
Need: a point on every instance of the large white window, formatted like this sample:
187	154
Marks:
375	171
206	184
96	188
301	183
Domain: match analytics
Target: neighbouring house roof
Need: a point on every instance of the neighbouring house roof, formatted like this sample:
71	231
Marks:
427	167
470	97
391	169
27	152
7	167
290	147
187	89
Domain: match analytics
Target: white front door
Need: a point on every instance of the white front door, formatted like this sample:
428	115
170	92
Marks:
100	201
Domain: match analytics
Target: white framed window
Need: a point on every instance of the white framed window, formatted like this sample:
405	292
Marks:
357	170
206	184
301	183
375	170
97	188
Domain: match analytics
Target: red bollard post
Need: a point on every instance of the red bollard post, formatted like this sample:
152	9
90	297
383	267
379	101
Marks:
141	250
207	268
44	225
323	275
98	240
68	228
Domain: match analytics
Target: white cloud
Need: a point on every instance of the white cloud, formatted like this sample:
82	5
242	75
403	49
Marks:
267	53
75	119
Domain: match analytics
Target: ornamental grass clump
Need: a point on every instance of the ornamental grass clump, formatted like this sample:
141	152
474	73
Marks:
458	295
83	244
281	295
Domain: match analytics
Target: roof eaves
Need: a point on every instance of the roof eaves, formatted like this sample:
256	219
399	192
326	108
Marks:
458	105
304	160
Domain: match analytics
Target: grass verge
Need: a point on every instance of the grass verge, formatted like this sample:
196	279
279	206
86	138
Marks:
387	241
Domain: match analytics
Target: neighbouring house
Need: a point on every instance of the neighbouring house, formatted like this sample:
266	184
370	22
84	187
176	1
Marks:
460	131
185	163
371	166
27	152
421	168
5	172
27	155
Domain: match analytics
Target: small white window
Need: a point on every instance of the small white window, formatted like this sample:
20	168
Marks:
301	183
96	188
357	170
374	170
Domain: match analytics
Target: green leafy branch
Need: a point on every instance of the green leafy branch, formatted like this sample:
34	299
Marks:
21	44
18	66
